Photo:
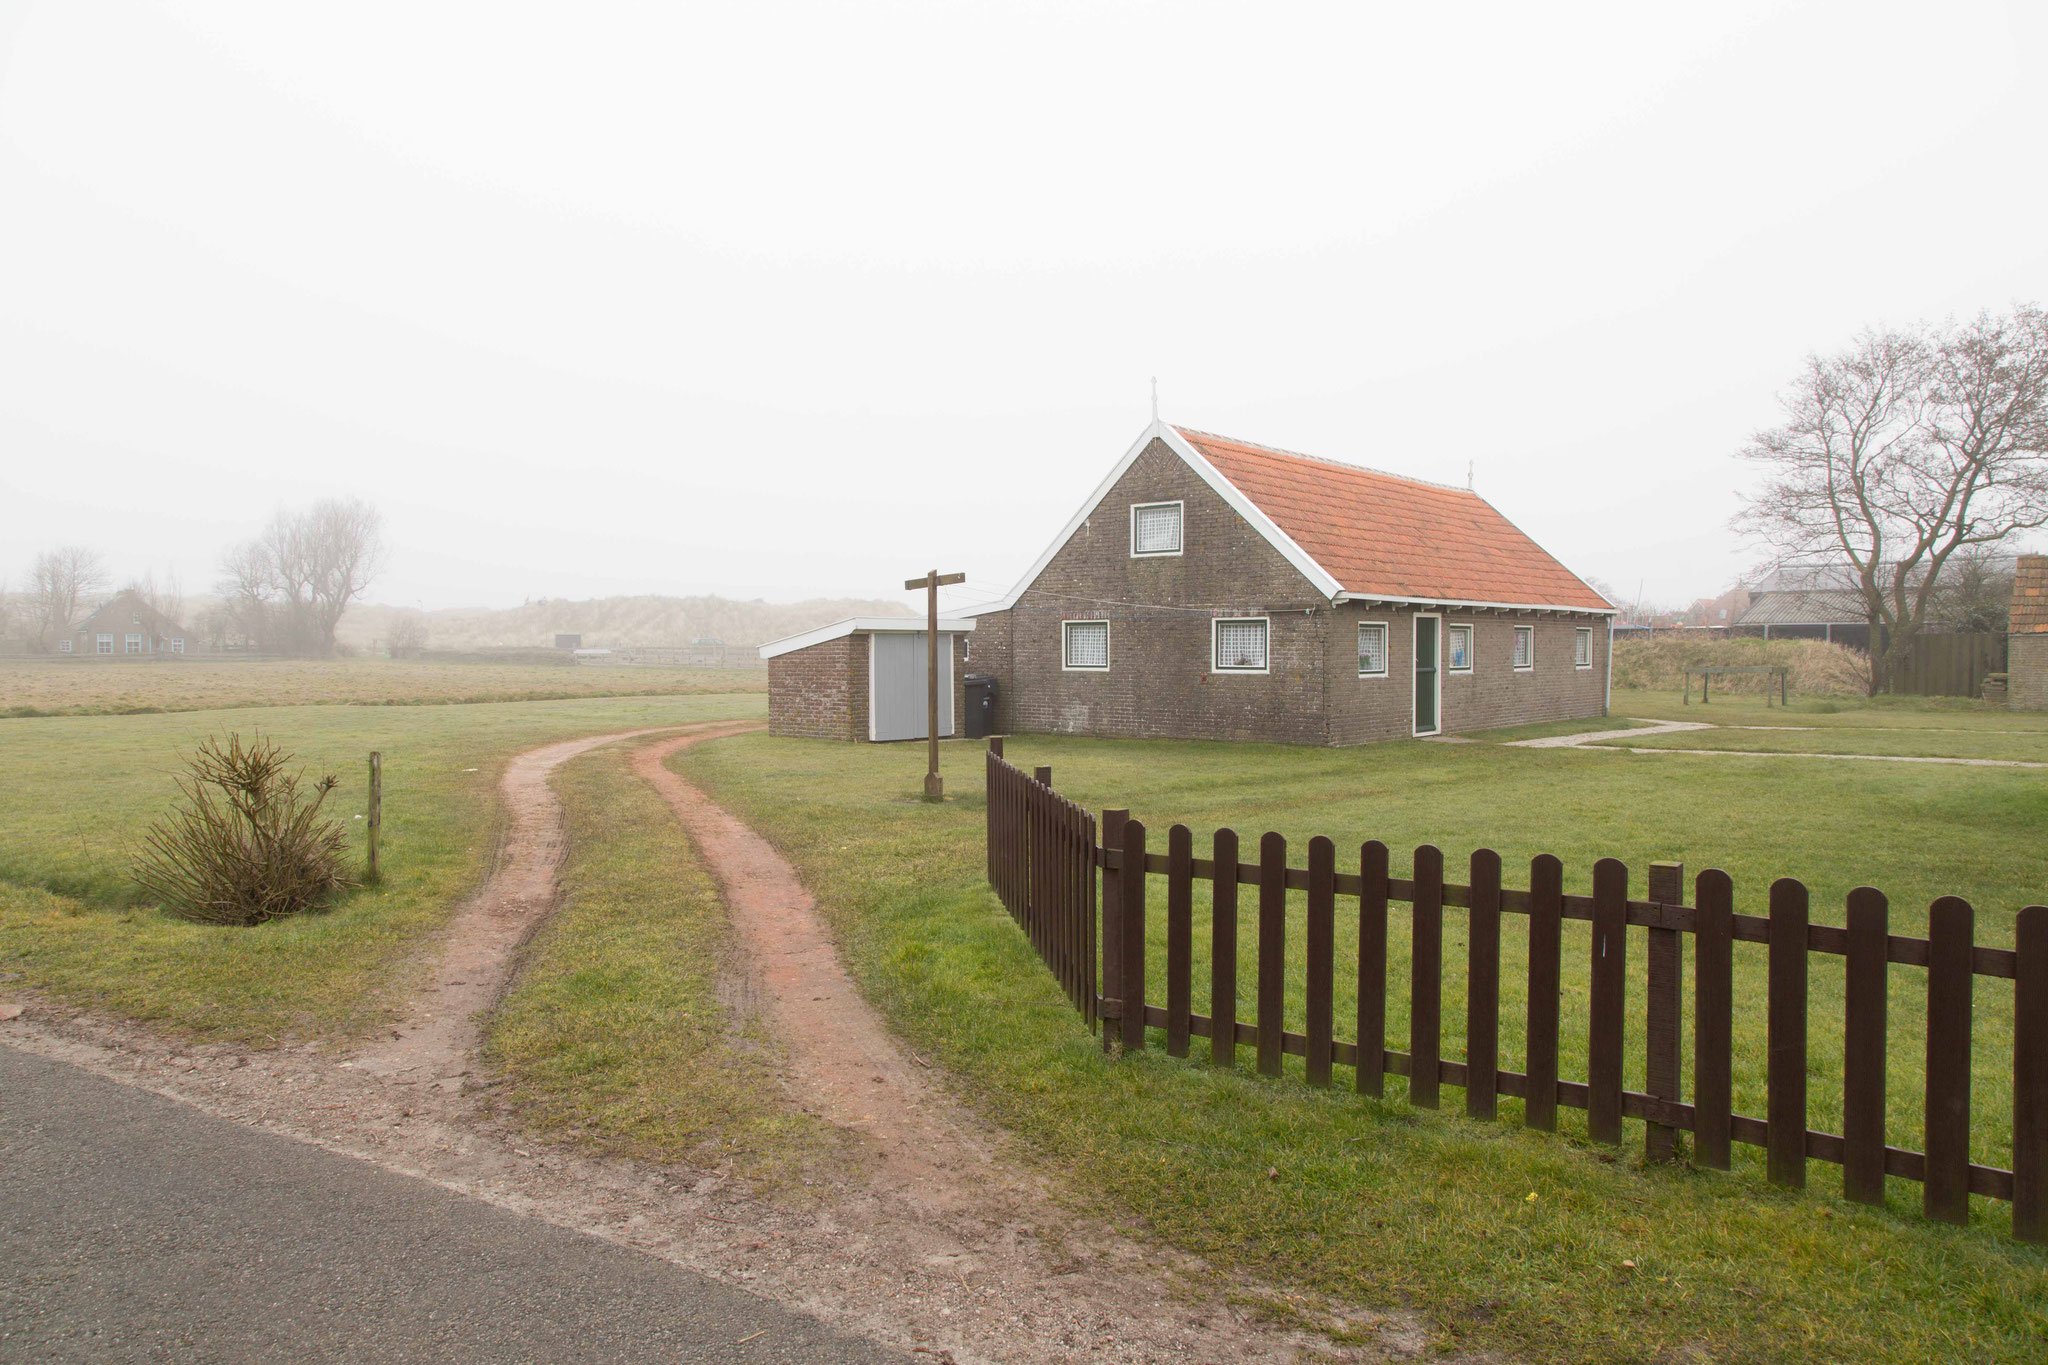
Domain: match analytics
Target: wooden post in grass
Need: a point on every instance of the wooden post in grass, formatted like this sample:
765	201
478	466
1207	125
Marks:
375	818
1667	968
934	786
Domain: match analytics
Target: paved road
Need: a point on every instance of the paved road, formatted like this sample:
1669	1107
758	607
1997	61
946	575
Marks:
136	1228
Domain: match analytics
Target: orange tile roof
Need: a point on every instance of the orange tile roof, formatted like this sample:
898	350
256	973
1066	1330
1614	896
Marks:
2030	596
1382	535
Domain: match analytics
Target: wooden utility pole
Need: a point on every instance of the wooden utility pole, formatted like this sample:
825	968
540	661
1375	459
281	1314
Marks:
376	825
934	786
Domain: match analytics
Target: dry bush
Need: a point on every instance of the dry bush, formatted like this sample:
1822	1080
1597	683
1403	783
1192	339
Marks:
247	845
1819	669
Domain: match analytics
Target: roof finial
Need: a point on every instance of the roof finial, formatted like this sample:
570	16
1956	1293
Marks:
1468	476
1155	400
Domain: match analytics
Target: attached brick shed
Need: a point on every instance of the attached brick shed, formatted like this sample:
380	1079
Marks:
2027	657
864	679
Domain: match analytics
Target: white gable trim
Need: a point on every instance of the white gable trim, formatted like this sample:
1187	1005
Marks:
1370	597
862	625
1315	573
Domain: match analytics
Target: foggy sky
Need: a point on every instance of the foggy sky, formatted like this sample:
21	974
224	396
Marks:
793	300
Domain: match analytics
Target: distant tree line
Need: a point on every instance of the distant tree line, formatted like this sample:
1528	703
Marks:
282	592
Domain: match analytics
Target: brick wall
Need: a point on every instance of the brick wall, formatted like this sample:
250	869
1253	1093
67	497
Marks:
820	692
2027	673
1159	682
1491	694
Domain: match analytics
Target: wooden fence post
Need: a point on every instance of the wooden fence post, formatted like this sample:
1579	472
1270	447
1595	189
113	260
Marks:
1272	1002
1113	822
1606	1023
1321	957
1133	990
1863	1047
1713	1017
1426	1001
2030	1079
1180	937
1223	950
1662	1023
1546	917
995	745
1785	1037
1370	1073
1482	992
375	818
1945	1194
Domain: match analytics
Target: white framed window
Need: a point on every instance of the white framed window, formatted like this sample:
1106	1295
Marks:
104	643
1155	528
1582	648
1237	644
1084	646
133	642
1460	649
1525	648
64	646
177	644
1372	649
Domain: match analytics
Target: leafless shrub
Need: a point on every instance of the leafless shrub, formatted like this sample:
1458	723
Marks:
246	845
407	635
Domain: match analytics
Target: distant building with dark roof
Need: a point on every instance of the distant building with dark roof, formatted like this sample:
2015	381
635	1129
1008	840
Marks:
126	625
1825	602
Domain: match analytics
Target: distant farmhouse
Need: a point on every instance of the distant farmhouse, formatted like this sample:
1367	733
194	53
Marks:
1825	601
125	625
1215	589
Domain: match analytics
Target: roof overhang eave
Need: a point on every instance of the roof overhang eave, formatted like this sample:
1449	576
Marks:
1396	600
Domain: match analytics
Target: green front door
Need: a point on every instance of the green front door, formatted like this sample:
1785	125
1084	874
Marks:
1426	628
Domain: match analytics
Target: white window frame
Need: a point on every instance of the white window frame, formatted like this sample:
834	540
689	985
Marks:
1180	538
1530	666
1216	624
1436	674
177	644
1386	648
1066	654
64	645
103	642
1582	635
131	643
1450	667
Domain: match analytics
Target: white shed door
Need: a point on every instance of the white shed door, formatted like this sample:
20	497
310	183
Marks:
896	685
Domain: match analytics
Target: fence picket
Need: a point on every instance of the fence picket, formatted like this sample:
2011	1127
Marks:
2030	1079
1223	951
1546	923
1863	1047
1272	951
1133	877
1608	1001
1482	997
1180	937
1713	1018
1114	823
1661	1026
1426	971
1372	969
1945	1188
1785	1034
1321	946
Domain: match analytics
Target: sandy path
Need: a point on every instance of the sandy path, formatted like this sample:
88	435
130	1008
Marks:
937	1246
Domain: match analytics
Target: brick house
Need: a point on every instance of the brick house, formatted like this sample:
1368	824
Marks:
1216	589
124	626
2027	652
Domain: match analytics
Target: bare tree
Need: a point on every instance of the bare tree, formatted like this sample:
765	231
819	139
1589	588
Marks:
407	635
165	596
287	589
60	579
1903	451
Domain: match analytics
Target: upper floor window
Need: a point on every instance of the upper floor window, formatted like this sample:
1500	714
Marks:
1238	645
1525	647
1582	648
1084	645
1155	528
1372	649
1461	649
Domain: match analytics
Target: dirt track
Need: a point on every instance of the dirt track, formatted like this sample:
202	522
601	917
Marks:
943	1248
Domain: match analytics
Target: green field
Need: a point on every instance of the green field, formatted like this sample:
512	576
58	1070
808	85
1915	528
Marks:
1374	1200
99	687
79	791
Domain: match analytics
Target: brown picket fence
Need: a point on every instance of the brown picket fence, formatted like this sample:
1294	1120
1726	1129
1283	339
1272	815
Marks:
1037	864
1041	861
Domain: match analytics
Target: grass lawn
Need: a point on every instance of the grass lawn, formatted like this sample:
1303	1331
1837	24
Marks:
2030	746
79	791
81	687
617	1032
1377	1201
1852	713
